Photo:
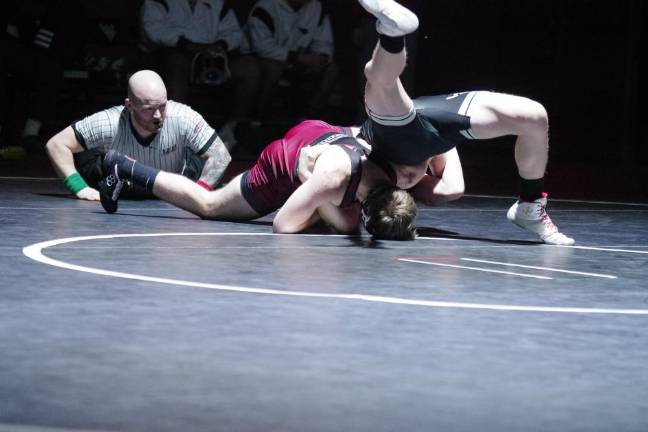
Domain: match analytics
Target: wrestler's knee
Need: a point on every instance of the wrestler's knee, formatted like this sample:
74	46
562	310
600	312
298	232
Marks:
532	117
208	206
377	79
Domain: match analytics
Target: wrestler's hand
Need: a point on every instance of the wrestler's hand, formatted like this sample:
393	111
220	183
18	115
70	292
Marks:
344	220
88	193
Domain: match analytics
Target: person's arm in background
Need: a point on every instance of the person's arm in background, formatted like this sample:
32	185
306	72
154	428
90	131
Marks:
158	25
60	149
319	52
311	42
228	31
443	183
262	27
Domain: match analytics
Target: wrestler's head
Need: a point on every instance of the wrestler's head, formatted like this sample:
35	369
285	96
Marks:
388	213
146	101
409	175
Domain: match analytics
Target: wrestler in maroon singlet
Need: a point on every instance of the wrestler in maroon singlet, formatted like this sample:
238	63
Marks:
273	178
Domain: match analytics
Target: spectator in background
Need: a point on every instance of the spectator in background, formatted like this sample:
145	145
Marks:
291	37
180	33
37	39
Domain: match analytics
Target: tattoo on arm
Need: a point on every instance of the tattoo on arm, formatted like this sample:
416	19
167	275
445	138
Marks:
218	158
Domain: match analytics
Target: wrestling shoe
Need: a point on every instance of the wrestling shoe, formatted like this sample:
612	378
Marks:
393	19
111	185
533	216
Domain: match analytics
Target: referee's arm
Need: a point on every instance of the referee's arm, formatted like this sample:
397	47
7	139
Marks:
218	159
60	149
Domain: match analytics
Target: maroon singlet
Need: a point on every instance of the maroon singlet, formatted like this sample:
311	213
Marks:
273	178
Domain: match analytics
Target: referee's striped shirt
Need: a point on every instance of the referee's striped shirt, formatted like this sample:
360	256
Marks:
182	128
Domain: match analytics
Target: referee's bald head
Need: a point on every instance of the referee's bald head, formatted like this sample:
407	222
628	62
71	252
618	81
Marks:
146	101
146	85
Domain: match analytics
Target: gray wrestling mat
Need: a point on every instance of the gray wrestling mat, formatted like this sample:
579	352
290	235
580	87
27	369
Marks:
154	320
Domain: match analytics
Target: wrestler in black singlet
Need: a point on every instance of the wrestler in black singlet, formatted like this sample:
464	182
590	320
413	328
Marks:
439	125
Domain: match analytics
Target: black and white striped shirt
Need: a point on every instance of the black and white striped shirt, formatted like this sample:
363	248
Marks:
182	128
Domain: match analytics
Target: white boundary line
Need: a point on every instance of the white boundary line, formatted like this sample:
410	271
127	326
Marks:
9	427
571	210
562	200
540	268
594	248
29	178
473	268
34	252
606	249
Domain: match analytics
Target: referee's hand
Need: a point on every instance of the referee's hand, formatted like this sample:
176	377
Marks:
88	193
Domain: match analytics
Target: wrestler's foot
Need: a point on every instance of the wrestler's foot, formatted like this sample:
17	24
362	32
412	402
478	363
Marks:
111	185
533	216
393	18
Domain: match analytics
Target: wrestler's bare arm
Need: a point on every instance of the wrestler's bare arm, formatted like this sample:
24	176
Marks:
445	182
325	186
344	220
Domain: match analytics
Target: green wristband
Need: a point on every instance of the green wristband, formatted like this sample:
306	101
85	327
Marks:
75	183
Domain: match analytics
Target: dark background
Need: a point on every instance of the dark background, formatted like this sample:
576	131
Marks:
584	60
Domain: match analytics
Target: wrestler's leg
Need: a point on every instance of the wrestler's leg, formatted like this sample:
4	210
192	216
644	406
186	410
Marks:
384	93
496	114
493	115
224	203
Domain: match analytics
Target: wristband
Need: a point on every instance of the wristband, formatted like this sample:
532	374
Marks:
204	184
74	182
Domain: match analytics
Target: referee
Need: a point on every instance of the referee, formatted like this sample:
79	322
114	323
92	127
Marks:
161	133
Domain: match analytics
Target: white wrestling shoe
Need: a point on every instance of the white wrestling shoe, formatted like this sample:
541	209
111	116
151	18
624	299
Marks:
533	216
393	18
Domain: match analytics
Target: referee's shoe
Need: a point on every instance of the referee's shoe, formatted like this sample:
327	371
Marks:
111	185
